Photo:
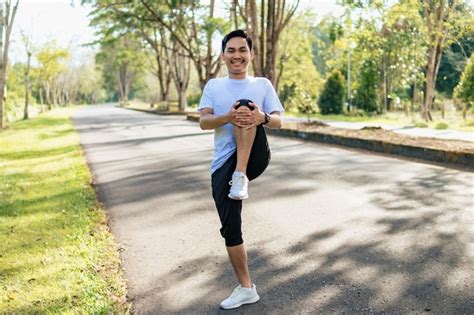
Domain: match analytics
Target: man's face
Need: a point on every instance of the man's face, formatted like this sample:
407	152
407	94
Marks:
237	55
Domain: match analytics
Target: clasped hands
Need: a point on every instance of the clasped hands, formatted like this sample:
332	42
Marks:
245	118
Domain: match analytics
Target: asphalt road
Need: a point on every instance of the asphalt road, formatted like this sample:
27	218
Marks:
328	230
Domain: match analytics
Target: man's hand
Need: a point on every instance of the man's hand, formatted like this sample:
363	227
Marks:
244	117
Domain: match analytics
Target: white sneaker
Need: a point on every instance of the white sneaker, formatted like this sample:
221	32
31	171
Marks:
241	296
239	188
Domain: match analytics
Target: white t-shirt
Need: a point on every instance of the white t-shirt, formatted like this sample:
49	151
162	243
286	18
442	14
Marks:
219	94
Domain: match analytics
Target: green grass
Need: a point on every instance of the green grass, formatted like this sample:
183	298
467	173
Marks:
56	253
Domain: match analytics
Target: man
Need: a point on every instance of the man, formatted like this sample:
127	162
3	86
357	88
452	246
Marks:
237	107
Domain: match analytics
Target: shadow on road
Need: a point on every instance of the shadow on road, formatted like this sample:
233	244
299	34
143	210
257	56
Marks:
379	235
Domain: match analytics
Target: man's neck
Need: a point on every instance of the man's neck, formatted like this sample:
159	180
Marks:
238	76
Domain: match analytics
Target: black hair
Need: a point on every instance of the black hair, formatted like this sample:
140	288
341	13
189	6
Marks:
237	33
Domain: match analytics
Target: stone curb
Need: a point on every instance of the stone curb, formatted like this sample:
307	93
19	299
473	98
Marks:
463	159
156	112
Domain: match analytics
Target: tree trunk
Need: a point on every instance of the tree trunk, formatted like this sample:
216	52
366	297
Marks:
437	15
429	85
47	94
27	87
2	98
233	14
253	31
180	72
123	84
384	73
270	62
273	18
7	17
184	31
163	72
41	96
414	97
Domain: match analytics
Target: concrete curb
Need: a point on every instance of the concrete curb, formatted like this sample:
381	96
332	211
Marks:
157	112
463	159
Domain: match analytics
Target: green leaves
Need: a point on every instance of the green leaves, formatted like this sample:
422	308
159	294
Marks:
465	89
332	97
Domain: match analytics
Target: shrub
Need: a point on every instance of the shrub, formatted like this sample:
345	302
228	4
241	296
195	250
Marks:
366	94
332	97
465	88
421	125
441	125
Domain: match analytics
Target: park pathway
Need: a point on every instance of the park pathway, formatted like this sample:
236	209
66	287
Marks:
328	230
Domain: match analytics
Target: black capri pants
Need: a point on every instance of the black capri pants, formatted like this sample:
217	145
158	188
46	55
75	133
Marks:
230	210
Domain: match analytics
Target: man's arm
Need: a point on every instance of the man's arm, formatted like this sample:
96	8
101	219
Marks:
207	119
258	117
275	120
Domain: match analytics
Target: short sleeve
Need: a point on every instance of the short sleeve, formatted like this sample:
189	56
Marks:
271	102
206	97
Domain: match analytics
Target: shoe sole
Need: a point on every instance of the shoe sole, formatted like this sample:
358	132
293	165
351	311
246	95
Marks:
237	198
255	300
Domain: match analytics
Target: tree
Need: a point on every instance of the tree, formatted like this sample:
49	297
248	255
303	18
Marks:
438	16
29	52
193	27
115	20
122	62
332	97
452	64
326	32
52	63
265	25
91	83
295	67
366	94
456	54
392	37
465	88
180	33
7	17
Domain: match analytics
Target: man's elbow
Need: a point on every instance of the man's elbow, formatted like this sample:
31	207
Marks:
203	125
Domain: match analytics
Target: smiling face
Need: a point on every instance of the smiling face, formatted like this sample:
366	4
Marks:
237	57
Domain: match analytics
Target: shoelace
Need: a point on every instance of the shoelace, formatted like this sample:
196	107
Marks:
239	181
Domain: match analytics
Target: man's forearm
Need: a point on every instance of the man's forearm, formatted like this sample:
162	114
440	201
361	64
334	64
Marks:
210	121
275	121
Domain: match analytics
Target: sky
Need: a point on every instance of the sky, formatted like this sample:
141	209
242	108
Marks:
68	25
56	20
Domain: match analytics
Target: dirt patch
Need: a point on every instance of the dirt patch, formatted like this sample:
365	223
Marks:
385	136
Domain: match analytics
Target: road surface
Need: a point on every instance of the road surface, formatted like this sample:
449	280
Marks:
328	230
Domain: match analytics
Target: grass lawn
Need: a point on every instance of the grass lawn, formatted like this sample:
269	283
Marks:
56	253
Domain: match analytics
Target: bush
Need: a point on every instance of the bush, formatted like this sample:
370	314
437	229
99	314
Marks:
441	125
465	88
286	94
332	98
193	100
366	94
421	125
